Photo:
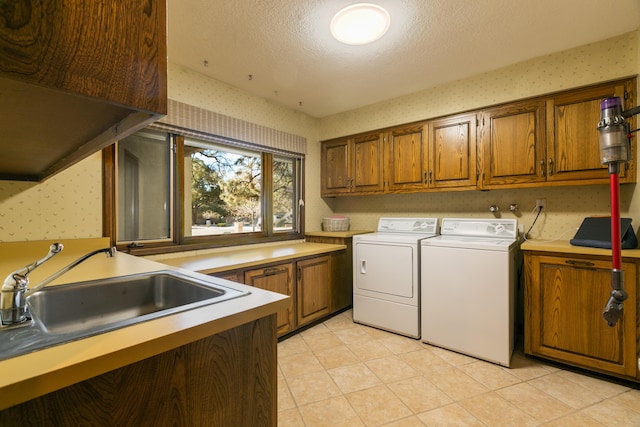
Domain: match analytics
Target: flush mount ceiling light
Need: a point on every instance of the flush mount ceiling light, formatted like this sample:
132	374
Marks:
360	23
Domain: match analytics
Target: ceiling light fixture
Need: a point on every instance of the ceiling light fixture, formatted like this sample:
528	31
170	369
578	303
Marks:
360	23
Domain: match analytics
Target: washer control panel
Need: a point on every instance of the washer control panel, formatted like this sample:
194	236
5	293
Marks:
477	227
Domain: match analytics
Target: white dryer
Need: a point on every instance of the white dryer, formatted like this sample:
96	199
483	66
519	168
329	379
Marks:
386	274
469	287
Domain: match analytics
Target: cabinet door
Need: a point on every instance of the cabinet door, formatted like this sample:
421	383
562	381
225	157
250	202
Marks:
407	163
564	299
277	278
313	291
573	151
335	167
367	164
512	141
452	152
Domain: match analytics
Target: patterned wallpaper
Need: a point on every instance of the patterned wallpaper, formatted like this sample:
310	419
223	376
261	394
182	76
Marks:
69	204
66	206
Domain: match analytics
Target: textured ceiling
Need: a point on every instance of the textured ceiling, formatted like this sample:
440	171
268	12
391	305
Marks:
282	50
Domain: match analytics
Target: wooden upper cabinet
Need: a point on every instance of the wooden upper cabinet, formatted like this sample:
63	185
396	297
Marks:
512	141
334	169
452	152
75	77
549	140
573	151
407	154
352	165
367	173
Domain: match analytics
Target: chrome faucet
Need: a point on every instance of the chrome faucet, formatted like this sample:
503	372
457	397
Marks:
15	289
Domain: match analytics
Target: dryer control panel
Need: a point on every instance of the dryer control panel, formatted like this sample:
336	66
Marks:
408	225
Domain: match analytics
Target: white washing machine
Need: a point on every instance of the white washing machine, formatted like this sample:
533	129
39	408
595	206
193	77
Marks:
469	287
386	274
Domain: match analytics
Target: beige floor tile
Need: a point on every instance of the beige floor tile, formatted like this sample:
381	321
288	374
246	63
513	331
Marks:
455	383
424	360
527	368
285	400
317	342
453	358
490	375
562	388
335	412
630	398
290	418
341	321
534	402
378	405
292	345
575	419
613	412
354	377
368	350
352	335
336	356
375	333
312	387
391	368
412	421
320	328
298	364
449	416
419	394
493	410
601	388
398	344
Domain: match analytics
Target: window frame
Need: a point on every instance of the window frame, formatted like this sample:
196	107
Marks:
178	242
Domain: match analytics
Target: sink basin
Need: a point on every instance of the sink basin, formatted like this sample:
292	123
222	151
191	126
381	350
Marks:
77	310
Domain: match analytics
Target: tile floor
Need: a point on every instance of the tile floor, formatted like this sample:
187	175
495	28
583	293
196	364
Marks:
339	373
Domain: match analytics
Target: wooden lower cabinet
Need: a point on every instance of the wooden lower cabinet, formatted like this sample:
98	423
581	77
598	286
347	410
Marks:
564	298
341	270
313	293
277	278
311	282
227	379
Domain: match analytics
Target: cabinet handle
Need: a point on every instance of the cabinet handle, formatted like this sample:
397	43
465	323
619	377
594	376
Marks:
425	179
430	177
579	263
542	165
273	270
550	166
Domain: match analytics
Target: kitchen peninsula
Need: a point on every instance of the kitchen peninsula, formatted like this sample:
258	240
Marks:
213	365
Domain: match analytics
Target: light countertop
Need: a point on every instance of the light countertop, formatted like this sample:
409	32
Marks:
563	246
341	234
224	260
31	375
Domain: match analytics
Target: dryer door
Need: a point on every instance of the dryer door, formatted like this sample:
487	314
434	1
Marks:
385	271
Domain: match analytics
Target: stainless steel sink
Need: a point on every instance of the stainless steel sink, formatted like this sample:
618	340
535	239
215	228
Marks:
77	310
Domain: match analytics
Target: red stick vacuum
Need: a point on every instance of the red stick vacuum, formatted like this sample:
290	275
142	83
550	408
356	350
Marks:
615	150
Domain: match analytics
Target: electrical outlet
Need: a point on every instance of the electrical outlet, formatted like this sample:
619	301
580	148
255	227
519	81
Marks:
541	204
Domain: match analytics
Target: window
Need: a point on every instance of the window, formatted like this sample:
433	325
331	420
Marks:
172	192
